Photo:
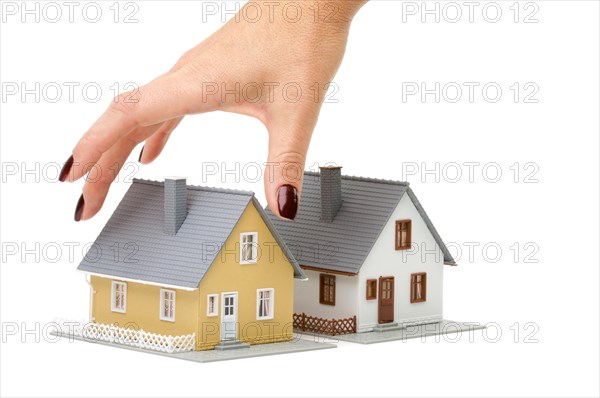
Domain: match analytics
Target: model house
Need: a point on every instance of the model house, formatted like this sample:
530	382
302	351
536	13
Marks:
192	268
373	258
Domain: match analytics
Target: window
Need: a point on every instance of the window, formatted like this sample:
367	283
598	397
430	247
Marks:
371	289
264	303
212	305
248	247
167	305
327	289
403	229
418	287
229	304
119	296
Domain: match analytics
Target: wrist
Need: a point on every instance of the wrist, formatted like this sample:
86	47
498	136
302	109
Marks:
348	8
323	17
301	12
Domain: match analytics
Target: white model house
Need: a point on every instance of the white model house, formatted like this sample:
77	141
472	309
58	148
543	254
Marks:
373	259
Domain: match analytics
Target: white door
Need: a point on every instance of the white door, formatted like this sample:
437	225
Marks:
229	317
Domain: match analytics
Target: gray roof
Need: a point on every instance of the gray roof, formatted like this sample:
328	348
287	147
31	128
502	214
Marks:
154	256
343	245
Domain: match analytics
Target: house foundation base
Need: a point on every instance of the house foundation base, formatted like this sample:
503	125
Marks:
410	332
258	350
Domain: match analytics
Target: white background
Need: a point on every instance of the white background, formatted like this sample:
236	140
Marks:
372	132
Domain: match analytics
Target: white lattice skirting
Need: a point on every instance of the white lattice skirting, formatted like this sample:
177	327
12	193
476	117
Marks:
126	336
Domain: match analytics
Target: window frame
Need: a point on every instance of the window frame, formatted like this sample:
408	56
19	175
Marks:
322	278
242	244
113	296
271	302
413	285
374	290
215	311
397	237
162	303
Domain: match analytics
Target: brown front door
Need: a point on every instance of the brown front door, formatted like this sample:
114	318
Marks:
386	299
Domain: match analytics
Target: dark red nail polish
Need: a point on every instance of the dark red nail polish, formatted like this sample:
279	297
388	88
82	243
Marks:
141	153
287	200
64	172
79	208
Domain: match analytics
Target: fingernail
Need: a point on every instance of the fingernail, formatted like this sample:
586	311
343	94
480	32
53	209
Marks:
79	208
64	172
141	153
287	200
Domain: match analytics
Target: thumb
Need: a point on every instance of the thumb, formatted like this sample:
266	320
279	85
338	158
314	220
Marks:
284	171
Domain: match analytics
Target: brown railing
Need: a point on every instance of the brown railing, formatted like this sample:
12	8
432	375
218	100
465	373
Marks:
330	327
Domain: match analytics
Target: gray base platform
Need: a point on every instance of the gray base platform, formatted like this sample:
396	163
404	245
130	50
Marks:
258	350
405	333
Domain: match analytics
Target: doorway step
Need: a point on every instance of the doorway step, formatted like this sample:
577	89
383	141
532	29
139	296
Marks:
231	345
385	327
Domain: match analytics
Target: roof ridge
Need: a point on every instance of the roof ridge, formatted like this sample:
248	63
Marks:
365	179
197	187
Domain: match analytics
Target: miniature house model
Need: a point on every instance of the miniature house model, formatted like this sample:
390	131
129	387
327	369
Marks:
194	268
373	259
180	267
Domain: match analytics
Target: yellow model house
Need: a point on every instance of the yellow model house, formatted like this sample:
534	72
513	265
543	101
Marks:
191	268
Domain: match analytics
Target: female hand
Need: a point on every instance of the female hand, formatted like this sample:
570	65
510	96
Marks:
246	54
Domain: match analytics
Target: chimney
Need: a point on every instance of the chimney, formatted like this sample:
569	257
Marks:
175	203
331	192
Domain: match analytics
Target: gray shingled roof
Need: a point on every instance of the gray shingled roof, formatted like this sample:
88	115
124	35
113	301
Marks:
343	245
178	260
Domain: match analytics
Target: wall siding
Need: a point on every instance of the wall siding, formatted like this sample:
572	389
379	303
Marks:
272	270
306	297
143	308
384	260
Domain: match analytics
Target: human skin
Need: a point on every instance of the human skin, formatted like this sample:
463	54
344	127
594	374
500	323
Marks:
269	51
